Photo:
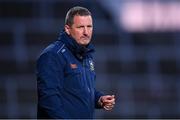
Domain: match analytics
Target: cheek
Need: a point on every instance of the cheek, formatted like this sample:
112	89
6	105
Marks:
79	34
76	36
90	32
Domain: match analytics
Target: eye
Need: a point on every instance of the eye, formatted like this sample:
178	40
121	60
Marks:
89	26
80	26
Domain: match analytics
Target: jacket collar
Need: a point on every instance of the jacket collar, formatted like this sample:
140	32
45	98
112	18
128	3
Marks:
79	51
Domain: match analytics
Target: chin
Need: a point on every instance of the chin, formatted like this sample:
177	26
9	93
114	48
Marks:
84	43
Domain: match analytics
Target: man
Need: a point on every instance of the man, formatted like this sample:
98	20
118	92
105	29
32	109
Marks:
65	72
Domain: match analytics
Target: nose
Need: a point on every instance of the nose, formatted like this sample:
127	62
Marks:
85	31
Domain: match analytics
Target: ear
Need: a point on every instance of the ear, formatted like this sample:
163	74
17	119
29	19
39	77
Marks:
67	28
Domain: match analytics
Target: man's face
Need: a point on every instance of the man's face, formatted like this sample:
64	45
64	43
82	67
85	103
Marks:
81	30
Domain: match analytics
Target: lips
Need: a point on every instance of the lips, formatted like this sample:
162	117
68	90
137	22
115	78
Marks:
85	37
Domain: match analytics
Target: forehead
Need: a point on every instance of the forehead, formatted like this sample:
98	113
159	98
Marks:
82	19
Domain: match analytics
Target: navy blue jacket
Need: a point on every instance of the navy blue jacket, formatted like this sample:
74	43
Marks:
66	80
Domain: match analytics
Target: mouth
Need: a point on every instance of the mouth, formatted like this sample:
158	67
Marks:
84	37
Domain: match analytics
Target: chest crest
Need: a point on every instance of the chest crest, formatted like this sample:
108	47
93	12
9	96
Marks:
91	64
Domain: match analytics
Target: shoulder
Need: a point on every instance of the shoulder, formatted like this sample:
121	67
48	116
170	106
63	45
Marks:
53	51
54	47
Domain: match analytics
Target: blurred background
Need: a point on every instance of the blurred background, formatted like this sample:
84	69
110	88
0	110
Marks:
137	54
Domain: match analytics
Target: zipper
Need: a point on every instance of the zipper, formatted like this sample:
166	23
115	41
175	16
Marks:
87	84
84	75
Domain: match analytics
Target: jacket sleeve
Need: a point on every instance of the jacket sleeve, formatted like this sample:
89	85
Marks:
97	96
49	82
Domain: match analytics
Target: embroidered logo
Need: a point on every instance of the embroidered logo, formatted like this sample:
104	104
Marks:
73	66
91	65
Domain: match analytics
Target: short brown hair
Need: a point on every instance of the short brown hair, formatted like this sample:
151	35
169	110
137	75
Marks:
77	10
